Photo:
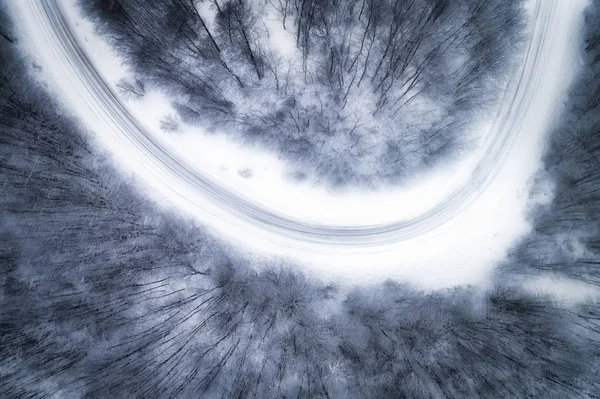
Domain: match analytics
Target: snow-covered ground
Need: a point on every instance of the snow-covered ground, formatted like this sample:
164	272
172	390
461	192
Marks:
260	175
447	228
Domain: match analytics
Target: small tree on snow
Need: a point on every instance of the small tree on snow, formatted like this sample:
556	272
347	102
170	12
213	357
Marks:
131	88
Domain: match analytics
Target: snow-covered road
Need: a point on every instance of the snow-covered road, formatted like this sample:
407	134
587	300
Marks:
495	192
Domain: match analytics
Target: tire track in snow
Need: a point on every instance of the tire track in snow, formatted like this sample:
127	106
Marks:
103	111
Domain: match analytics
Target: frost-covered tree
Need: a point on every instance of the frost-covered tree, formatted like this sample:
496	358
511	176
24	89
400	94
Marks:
370	91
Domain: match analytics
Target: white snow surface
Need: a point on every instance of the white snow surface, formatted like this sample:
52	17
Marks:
270	184
461	249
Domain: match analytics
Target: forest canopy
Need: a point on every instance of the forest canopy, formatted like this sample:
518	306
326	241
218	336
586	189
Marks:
366	91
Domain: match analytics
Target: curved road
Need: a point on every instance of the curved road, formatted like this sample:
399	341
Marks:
47	18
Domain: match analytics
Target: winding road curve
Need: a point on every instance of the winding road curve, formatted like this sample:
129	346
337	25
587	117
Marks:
519	103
